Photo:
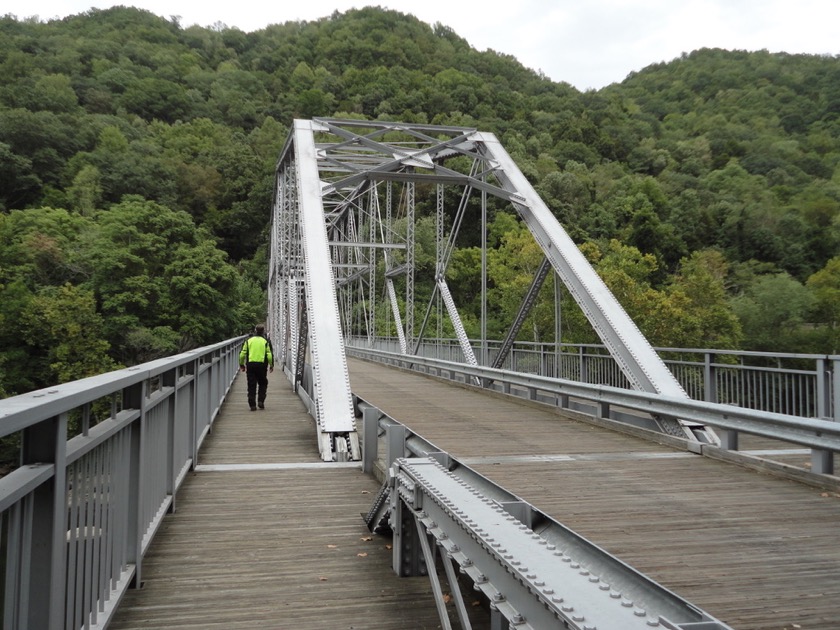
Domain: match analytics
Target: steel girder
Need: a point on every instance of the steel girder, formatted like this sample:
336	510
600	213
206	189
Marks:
347	161
533	575
300	250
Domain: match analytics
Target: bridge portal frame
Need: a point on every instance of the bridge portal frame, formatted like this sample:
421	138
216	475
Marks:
329	238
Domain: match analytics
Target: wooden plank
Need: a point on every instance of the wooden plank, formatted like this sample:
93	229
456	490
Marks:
282	432
273	548
276	549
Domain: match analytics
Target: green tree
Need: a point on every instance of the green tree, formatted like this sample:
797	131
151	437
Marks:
709	320
21	372
63	333
85	193
772	311
18	182
156	275
825	288
511	268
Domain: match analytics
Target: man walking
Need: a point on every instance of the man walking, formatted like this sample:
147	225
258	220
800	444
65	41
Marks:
256	360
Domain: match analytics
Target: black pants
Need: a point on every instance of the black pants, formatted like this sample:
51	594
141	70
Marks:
257	383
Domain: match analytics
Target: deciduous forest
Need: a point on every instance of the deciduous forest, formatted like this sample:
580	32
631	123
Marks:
137	161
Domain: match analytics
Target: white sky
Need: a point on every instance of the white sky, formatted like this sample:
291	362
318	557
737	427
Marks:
588	43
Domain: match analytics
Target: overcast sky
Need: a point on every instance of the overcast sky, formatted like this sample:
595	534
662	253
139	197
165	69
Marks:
588	43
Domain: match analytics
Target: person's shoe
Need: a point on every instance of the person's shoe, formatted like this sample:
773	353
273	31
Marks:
262	406
253	408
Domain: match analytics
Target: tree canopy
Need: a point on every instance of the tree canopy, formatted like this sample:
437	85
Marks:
137	156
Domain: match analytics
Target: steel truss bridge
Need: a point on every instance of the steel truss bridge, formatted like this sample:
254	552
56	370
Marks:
344	222
348	200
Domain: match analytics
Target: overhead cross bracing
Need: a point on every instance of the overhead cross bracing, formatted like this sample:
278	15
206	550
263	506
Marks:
346	255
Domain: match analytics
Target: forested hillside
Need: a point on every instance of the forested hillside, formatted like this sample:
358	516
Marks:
137	156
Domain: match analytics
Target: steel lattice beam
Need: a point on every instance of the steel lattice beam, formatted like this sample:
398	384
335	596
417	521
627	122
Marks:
329	388
339	163
530	581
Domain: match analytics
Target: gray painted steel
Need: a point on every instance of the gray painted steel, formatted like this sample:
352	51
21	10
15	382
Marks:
79	514
619	333
328	390
822	436
353	157
528	580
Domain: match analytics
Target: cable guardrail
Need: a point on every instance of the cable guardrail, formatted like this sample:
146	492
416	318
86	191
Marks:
821	436
100	462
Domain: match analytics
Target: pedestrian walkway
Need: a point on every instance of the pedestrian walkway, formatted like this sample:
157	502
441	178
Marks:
267	536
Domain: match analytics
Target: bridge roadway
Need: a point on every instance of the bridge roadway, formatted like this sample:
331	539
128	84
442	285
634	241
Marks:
282	545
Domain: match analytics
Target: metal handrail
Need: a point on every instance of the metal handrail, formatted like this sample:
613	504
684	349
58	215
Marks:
80	512
809	390
821	435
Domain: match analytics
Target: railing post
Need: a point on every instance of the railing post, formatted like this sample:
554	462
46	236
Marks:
709	379
584	370
170	379
603	409
823	389
835	372
46	442
822	462
191	369
395	435
828	383
728	439
370	430
133	398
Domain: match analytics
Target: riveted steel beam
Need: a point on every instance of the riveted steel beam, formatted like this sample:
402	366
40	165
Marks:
528	580
338	165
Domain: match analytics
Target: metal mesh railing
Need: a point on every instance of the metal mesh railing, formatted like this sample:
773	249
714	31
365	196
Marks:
796	384
79	513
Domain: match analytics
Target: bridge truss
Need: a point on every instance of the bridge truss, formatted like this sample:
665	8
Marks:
346	256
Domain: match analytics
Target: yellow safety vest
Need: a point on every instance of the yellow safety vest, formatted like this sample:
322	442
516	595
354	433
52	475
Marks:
256	349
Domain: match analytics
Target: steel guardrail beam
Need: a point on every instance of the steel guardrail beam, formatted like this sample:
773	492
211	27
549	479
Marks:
814	433
528	580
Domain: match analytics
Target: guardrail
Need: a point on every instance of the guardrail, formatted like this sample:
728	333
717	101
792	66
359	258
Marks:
101	461
806	385
821	436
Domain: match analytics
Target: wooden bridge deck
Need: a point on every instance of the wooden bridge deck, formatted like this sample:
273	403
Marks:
266	537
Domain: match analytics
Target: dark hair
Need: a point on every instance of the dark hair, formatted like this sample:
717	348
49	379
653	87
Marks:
259	329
